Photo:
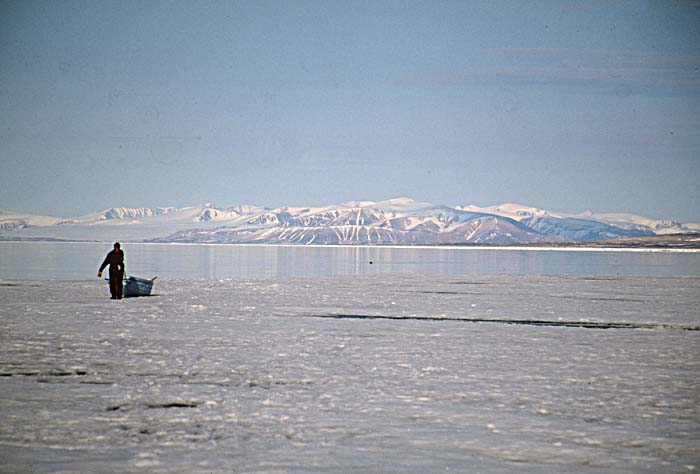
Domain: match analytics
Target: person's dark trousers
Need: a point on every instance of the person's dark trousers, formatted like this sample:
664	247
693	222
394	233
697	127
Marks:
116	285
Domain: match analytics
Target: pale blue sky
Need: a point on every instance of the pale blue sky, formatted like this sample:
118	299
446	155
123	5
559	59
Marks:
568	106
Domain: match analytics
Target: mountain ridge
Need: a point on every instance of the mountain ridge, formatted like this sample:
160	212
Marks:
393	221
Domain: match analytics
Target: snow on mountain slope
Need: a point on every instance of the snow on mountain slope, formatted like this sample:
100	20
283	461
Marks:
486	231
631	221
394	221
588	226
128	224
514	211
580	230
12	220
122	213
397	221
161	215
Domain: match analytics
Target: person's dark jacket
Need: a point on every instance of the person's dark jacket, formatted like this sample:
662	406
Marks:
115	260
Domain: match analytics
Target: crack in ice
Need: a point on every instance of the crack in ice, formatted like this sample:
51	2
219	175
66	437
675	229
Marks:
521	322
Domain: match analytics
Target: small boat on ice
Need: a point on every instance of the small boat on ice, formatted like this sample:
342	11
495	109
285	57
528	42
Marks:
135	286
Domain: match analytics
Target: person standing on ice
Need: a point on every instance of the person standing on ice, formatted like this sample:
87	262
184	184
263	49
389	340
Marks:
115	260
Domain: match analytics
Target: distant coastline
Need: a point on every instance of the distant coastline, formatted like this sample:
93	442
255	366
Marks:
652	242
668	241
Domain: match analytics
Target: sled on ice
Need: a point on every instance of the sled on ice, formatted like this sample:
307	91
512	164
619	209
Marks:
135	286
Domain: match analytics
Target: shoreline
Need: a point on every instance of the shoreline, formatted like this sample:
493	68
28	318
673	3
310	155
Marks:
599	246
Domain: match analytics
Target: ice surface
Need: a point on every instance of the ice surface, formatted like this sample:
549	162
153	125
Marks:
374	373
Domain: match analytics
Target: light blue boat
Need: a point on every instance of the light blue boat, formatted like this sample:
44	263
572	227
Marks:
135	286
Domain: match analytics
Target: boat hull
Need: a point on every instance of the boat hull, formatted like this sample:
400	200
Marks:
134	286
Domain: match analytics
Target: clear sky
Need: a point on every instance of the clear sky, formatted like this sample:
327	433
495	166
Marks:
567	106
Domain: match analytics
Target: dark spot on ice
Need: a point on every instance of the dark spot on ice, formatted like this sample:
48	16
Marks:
188	404
65	373
521	322
575	297
44	374
122	407
268	384
59	373
601	278
177	404
448	292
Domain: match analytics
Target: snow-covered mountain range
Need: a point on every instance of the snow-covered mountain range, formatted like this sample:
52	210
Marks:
396	221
